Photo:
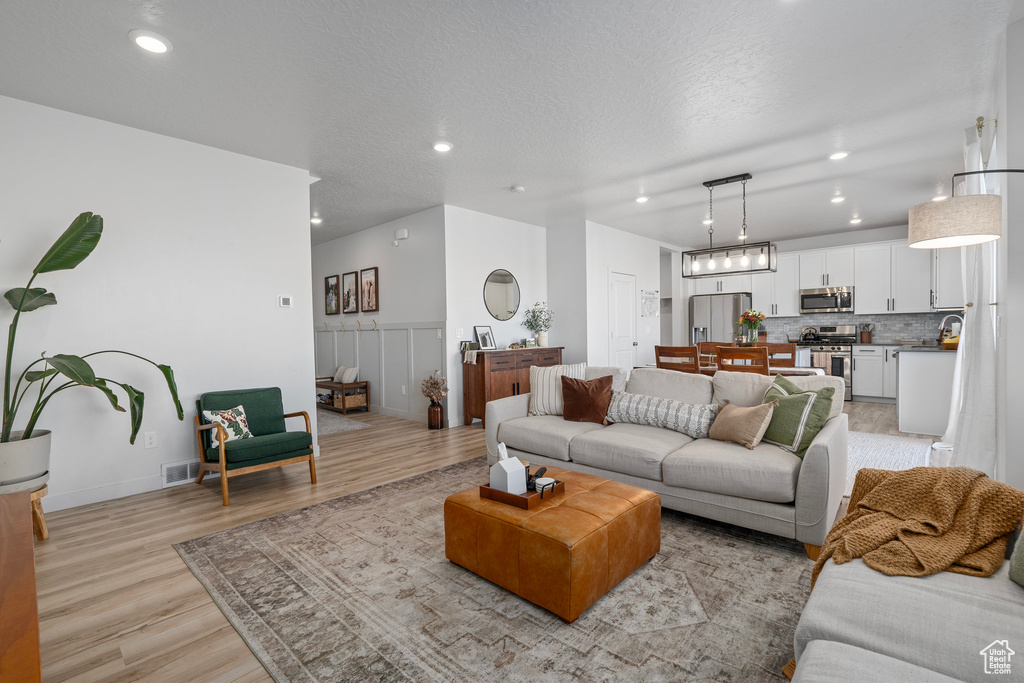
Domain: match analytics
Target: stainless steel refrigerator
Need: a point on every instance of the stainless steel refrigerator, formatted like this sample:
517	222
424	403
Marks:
715	317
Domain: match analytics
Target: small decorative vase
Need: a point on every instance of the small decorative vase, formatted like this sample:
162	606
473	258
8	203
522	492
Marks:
435	416
751	335
542	338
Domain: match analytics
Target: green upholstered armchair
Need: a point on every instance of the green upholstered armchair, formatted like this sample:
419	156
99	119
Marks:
269	446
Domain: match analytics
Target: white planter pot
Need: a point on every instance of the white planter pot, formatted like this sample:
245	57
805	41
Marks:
542	338
25	464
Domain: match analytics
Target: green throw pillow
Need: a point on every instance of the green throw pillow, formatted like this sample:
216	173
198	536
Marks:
1017	561
799	416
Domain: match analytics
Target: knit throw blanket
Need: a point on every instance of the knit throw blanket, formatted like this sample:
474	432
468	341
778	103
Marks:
925	520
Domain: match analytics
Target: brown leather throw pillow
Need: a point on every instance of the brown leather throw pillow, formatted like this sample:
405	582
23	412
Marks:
586	401
744	426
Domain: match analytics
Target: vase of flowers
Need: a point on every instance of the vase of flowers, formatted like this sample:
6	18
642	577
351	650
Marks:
539	320
435	388
751	321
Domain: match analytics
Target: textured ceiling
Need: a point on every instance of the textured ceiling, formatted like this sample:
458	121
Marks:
587	103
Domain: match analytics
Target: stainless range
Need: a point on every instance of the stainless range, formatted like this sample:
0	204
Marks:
832	350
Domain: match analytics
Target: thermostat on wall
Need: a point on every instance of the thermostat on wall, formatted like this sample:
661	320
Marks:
284	301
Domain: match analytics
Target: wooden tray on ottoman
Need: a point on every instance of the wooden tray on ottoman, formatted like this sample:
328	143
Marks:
526	501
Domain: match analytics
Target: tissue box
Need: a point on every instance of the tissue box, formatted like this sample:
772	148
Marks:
509	475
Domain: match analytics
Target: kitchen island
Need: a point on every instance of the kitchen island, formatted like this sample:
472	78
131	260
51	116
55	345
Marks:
924	388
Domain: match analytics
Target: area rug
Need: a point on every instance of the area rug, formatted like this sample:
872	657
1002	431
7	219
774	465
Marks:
329	422
358	589
884	452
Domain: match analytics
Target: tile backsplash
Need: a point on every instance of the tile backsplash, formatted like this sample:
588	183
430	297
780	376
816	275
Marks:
888	327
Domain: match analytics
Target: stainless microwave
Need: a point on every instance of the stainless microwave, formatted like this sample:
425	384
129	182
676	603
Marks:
827	300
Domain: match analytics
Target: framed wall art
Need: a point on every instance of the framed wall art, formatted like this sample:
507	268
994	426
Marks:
369	293
350	292
485	337
331	292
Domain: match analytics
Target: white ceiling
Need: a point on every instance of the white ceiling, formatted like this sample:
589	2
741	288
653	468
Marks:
588	103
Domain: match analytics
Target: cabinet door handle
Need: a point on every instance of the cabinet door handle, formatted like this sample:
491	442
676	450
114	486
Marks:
828	279
894	303
855	365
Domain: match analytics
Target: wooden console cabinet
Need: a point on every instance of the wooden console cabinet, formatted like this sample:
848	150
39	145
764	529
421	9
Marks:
499	374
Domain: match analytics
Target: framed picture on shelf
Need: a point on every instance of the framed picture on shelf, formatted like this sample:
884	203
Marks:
350	292
485	337
369	295
331	293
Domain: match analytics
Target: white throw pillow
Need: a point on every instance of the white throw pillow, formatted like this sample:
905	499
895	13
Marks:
351	375
546	387
232	420
340	374
685	418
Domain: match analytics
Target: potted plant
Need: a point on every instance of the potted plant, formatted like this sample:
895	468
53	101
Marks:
435	388
751	321
539	320
25	453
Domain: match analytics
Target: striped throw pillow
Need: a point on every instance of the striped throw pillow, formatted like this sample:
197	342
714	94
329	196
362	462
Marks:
546	387
686	418
799	415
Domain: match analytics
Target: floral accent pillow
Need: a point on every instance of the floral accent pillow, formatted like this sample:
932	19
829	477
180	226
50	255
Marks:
232	420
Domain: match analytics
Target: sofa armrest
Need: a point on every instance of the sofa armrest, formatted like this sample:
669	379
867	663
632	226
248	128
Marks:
499	411
822	481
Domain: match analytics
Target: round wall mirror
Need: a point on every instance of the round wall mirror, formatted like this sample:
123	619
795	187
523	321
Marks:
501	294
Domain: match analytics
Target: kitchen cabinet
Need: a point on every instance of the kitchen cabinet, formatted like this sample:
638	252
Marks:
891	278
778	294
926	389
947	279
889	383
827	268
869	371
730	284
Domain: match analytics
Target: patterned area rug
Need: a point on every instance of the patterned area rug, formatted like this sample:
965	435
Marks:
884	452
358	588
330	422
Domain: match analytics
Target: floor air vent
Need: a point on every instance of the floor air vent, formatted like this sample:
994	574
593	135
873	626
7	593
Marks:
175	473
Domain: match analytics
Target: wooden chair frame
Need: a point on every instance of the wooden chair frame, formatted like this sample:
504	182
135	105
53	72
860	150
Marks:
222	465
687	355
757	355
775	353
707	357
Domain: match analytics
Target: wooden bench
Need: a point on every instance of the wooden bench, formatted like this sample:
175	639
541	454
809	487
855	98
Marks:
345	396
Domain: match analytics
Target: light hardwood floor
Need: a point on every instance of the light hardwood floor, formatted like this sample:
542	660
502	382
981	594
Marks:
876	418
116	603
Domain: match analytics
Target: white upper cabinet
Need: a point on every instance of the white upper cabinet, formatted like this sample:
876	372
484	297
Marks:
947	280
762	286
778	294
826	268
892	278
732	284
872	291
911	279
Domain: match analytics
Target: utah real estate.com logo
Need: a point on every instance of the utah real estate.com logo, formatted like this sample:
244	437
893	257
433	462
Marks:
997	657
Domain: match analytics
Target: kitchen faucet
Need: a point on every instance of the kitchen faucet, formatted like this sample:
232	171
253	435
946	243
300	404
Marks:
942	325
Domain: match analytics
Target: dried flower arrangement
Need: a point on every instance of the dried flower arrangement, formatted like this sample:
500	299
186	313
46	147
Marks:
435	387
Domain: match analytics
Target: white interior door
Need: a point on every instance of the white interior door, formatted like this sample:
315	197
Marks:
622	320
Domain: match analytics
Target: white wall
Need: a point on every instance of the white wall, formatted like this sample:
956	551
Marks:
198	243
567	288
610	250
408	344
475	245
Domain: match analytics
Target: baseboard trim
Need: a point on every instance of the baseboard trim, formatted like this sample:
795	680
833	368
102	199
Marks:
100	494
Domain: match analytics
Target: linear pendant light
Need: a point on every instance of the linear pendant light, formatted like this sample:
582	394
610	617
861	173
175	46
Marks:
734	259
958	221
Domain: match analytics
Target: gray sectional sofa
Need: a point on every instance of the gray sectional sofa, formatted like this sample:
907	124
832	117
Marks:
860	625
768	489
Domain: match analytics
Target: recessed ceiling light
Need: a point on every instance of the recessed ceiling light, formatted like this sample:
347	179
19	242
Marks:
151	42
641	200
838	200
854	221
939	198
443	146
316	220
708	221
836	156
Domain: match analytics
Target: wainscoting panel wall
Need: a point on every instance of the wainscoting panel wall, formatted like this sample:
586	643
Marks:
393	356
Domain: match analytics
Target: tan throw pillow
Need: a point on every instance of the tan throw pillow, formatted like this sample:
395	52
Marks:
744	426
340	374
586	401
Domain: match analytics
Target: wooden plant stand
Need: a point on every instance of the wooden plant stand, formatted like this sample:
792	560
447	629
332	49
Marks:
38	520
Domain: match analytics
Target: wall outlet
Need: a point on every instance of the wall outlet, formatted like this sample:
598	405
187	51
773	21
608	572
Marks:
403	390
458	333
149	438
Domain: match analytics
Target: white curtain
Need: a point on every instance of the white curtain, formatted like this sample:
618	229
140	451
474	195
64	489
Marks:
973	432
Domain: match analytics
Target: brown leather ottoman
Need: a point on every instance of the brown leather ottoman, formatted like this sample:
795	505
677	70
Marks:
564	554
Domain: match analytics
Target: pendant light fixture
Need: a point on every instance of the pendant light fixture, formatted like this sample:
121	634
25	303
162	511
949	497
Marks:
757	257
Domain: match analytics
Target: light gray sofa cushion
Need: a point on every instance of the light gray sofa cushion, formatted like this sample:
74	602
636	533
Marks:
826	661
619	375
627	448
765	473
939	622
678	386
748	389
543	434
